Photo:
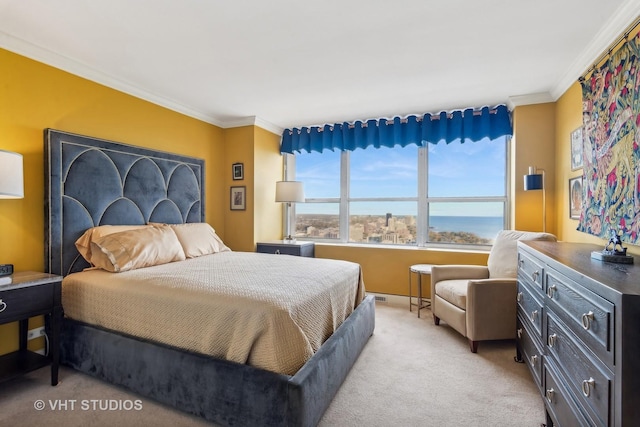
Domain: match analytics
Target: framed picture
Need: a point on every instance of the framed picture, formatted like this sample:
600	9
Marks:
576	149
238	198
575	197
238	171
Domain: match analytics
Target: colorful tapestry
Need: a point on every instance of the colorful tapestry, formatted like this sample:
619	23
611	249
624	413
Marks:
611	115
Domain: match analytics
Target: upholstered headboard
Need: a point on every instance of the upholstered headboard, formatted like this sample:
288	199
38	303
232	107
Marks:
90	182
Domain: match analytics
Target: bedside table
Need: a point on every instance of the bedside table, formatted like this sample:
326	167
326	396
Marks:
24	295
280	247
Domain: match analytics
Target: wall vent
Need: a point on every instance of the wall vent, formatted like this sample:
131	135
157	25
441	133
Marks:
379	298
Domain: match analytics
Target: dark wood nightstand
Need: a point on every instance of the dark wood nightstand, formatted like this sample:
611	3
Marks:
24	295
280	247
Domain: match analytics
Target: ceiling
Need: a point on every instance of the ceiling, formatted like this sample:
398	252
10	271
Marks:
292	63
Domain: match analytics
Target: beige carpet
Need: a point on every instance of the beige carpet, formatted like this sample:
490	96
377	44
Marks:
411	373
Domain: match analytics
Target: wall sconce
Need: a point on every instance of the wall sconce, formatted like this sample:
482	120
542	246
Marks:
289	192
535	181
11	175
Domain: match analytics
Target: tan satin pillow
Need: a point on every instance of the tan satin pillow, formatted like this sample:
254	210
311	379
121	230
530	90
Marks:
83	244
129	250
198	238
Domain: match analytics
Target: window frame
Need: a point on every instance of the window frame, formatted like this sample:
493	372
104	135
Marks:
422	199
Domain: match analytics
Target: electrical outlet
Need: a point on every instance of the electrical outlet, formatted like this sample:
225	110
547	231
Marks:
35	333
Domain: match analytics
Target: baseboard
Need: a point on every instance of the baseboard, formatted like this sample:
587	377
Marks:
395	300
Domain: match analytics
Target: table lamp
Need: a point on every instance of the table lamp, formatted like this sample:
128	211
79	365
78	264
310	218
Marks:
11	187
289	192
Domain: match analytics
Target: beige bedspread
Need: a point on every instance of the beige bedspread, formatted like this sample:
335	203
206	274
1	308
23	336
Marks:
269	311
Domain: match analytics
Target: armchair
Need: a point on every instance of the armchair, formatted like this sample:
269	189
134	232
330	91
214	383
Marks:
480	301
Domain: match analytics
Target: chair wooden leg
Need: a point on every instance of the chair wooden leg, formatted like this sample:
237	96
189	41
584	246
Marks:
436	320
473	345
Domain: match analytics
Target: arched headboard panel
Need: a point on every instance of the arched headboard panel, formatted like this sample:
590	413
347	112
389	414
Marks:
90	182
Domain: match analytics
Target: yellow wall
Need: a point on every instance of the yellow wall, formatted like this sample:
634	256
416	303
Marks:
268	170
33	97
533	145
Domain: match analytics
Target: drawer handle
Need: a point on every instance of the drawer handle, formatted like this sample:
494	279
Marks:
277	252
587	318
519	333
551	340
551	290
534	360
534	315
3	305
519	297
535	275
549	395
587	385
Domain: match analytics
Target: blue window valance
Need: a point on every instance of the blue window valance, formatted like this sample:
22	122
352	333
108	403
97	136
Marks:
467	125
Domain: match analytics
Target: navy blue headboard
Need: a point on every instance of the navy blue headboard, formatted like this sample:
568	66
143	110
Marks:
90	182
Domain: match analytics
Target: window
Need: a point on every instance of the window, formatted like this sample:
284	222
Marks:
441	194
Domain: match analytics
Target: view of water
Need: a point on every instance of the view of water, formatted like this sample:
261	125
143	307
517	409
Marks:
483	226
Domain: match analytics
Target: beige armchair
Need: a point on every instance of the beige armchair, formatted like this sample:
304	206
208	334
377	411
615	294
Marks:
480	301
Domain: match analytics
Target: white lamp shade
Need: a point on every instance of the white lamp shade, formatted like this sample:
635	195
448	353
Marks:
11	175
289	191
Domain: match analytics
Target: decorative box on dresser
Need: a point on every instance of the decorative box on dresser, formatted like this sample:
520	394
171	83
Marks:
578	330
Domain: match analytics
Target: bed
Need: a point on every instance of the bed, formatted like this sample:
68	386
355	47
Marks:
92	182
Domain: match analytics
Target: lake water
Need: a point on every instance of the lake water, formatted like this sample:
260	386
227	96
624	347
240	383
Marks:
483	226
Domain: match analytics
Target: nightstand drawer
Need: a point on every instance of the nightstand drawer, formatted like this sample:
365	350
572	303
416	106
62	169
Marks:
26	302
305	249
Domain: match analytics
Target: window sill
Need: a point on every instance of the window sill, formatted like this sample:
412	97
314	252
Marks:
432	248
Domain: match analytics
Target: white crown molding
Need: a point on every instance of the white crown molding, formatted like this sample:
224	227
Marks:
532	98
254	121
613	29
69	65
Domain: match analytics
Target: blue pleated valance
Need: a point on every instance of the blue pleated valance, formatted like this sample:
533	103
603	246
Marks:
467	125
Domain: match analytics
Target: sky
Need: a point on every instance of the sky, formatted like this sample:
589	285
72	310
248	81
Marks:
454	170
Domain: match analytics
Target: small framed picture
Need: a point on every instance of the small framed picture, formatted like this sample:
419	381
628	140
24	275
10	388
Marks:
238	198
238	171
575	197
576	149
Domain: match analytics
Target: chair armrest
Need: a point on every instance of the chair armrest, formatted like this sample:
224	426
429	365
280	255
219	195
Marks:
491	308
457	272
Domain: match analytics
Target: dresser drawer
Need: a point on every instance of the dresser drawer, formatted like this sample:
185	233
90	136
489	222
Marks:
529	308
589	383
587	314
531	270
26	302
559	402
530	351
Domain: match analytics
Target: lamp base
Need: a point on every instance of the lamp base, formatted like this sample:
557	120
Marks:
289	239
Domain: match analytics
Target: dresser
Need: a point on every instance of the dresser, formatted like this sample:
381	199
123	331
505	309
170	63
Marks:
280	247
24	295
578	331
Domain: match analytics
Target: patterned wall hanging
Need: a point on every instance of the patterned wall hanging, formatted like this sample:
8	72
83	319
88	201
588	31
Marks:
611	115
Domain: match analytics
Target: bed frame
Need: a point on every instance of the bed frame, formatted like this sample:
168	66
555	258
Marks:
93	182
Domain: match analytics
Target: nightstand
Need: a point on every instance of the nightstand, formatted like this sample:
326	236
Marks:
284	248
24	295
